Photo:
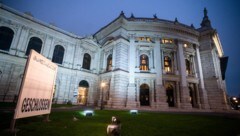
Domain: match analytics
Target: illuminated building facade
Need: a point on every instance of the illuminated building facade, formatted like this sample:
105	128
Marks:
144	63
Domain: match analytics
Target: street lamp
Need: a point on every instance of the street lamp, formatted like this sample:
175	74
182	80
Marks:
102	85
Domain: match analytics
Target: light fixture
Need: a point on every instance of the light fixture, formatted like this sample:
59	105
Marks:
185	45
134	112
88	113
102	84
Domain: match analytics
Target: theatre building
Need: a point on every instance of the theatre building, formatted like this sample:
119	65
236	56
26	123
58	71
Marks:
132	62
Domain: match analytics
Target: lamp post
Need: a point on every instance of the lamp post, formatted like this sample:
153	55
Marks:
102	85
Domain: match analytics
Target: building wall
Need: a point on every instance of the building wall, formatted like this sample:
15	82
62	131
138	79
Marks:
126	40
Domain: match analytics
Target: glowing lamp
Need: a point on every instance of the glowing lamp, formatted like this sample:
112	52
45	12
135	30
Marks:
88	113
133	111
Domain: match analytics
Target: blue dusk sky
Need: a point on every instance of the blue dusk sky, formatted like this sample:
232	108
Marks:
85	17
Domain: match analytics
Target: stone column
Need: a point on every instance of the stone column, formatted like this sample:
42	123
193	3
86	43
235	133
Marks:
151	61
178	95
185	101
47	46
76	64
111	89
23	37
137	60
194	71
202	90
161	101
175	63
152	93
114	56
51	50
131	102
15	46
197	95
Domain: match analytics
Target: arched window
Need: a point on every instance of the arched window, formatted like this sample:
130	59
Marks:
188	66
83	83
109	63
6	36
144	62
58	54
86	61
167	64
35	44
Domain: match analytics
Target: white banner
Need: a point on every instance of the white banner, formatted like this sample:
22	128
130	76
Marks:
35	96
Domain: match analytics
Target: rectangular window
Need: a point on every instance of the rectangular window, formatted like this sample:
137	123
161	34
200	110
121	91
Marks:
167	41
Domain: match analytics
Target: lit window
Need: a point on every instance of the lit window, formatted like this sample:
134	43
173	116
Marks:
145	39
188	66
144	62
148	39
167	64
167	41
109	63
141	38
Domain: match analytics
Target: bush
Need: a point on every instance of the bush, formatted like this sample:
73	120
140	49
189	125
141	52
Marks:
69	102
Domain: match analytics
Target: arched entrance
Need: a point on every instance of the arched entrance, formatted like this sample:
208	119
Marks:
82	92
144	95
170	95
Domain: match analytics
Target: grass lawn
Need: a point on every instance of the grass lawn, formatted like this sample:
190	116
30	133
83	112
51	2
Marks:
143	124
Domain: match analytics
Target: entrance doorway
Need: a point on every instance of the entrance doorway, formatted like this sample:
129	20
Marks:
170	96
192	96
144	95
82	92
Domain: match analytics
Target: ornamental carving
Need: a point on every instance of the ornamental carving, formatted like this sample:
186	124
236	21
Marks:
9	23
35	33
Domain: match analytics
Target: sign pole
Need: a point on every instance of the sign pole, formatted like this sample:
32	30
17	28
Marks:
47	118
12	126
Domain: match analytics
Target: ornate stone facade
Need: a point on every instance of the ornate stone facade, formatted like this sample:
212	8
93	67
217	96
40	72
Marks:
144	63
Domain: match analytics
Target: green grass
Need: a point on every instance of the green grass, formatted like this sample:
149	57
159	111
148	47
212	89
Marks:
143	124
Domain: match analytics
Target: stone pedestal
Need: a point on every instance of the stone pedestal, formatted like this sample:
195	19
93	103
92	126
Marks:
203	99
185	98
161	101
131	97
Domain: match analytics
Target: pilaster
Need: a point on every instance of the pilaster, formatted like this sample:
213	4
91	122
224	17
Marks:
131	92
161	100
202	91
185	101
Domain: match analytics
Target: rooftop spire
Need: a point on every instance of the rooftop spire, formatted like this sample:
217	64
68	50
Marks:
132	16
176	21
205	12
206	22
122	13
155	16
